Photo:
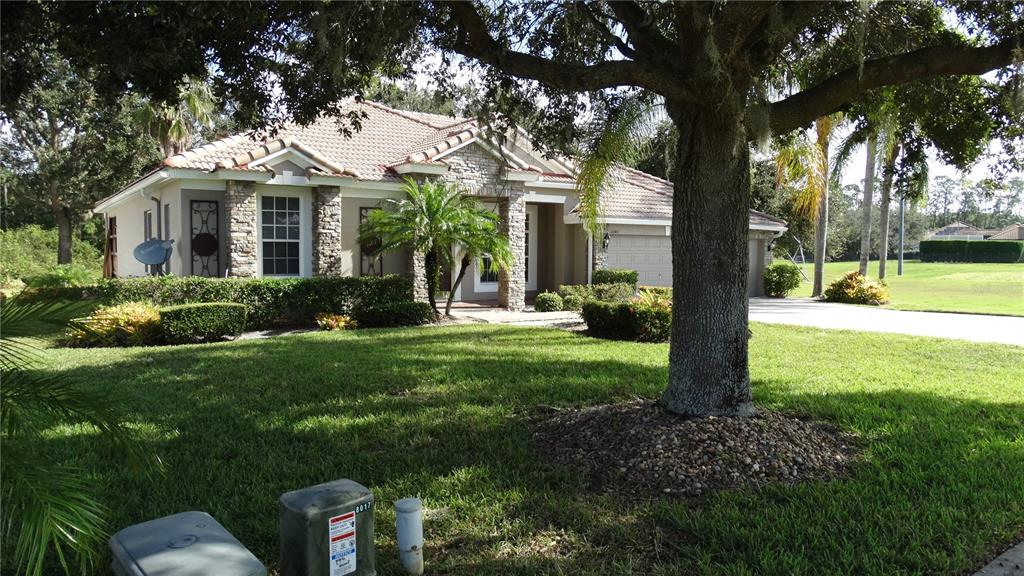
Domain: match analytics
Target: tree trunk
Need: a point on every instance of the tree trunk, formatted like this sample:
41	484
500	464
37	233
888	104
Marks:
430	264
455	285
865	206
64	234
886	196
820	245
711	182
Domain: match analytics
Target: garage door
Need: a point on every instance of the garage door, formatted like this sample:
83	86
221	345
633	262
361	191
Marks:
651	257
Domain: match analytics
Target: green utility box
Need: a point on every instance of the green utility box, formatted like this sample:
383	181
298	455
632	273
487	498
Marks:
327	530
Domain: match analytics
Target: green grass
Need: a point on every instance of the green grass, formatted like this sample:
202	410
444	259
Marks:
440	413
944	287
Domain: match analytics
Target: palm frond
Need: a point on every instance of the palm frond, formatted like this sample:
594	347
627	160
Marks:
52	510
620	137
845	150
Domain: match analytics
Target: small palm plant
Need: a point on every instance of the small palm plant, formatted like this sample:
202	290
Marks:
478	238
48	515
174	125
426	220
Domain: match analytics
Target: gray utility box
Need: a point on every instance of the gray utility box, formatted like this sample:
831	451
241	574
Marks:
185	544
327	530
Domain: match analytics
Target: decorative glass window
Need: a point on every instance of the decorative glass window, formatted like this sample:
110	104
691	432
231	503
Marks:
486	274
280	226
370	262
526	249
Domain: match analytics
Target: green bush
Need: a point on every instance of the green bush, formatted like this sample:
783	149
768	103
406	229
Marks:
65	276
31	251
268	301
58	294
661	290
205	322
572	302
548	302
781	279
127	324
638	320
619	292
856	289
616	276
1005	251
394	314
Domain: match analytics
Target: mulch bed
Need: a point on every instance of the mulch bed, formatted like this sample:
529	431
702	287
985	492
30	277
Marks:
641	450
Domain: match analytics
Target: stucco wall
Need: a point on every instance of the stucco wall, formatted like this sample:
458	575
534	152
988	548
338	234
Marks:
394	262
183	247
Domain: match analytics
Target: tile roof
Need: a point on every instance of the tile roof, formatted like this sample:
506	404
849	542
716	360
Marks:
390	137
1011	232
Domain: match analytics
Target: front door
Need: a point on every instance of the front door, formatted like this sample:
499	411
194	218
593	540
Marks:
531	229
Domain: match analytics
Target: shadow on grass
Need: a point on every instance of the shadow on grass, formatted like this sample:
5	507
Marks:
436	412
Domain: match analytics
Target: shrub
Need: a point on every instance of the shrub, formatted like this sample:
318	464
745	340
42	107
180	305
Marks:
203	322
548	302
663	290
856	289
58	294
128	324
328	321
644	321
31	251
573	302
65	276
268	301
619	292
1006	251
616	276
781	279
394	314
584	292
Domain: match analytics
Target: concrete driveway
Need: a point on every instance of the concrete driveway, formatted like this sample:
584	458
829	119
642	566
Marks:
807	312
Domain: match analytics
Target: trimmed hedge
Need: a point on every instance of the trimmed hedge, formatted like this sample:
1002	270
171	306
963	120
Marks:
204	322
394	314
573	302
781	279
547	302
616	276
619	292
268	301
629	320
1005	251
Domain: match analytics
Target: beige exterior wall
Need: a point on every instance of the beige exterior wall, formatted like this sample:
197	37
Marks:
394	262
130	228
183	247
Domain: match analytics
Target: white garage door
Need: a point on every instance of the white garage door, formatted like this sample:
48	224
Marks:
651	257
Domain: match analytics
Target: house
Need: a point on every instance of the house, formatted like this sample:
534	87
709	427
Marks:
291	205
1011	232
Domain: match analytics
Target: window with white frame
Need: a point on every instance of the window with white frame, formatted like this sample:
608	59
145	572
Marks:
279	218
487	273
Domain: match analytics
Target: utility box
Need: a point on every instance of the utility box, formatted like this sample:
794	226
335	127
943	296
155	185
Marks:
185	544
327	530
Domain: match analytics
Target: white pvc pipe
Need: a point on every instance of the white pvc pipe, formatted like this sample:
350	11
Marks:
409	524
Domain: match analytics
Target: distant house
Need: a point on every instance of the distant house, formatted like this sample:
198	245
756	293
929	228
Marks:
961	231
292	205
1011	232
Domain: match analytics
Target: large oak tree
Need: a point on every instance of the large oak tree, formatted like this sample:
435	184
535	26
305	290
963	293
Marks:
721	70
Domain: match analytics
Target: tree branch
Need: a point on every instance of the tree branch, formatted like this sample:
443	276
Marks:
776	30
737	21
802	108
639	25
624	48
475	41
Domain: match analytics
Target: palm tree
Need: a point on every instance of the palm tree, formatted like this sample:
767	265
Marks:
805	166
47	511
175	125
427	220
477	237
871	149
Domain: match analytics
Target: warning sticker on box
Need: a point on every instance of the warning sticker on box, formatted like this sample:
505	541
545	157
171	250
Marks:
341	544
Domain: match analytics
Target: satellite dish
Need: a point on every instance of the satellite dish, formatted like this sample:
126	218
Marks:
153	252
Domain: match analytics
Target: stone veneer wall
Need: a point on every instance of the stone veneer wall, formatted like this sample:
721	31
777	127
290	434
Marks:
327	246
241	216
418	272
481	174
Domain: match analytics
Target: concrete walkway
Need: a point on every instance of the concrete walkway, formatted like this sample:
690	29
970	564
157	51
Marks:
807	312
1010	563
568	320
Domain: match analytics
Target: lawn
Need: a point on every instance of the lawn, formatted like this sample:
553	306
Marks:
940	286
442	413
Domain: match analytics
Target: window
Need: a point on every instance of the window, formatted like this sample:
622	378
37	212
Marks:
112	245
486	273
526	250
370	264
280	225
147	234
